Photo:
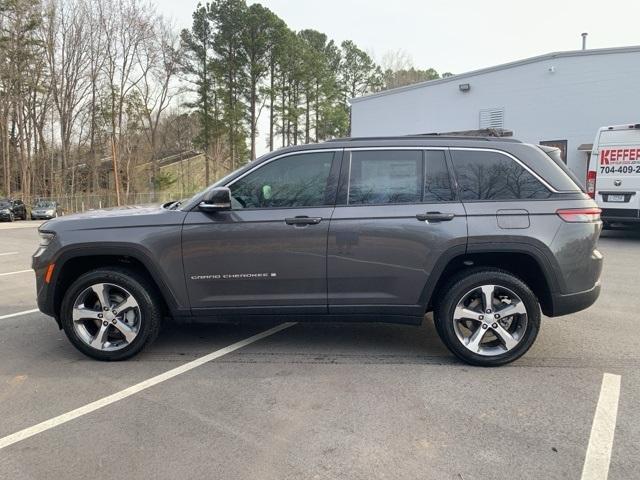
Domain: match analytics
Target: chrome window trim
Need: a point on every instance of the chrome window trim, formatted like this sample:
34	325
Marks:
283	155
443	148
391	148
349	180
508	155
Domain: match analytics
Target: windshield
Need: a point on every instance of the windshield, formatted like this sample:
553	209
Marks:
45	205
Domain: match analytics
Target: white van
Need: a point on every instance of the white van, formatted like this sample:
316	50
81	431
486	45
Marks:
613	178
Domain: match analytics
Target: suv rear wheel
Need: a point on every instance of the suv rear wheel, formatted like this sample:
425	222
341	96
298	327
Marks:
111	314
487	317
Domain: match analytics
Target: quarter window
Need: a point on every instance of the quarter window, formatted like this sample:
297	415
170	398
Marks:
294	181
494	176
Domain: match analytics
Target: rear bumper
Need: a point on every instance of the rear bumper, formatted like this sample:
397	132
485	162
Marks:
622	215
574	302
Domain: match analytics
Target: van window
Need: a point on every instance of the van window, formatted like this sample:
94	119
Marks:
385	176
494	176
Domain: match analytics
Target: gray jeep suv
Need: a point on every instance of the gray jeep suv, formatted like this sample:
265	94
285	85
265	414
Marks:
484	232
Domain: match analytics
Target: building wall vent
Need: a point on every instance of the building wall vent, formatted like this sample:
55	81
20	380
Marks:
492	118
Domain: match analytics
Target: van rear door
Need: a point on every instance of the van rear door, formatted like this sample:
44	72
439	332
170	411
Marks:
616	161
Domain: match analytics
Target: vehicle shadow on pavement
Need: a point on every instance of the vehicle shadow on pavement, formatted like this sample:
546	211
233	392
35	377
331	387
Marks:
310	342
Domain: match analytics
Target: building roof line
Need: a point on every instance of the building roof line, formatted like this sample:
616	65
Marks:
496	68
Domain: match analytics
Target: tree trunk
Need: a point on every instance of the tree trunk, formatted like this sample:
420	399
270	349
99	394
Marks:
271	105
253	126
307	126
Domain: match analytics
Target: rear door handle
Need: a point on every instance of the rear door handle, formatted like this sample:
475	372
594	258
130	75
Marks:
435	217
303	220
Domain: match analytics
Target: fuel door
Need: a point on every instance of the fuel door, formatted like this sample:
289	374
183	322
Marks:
513	219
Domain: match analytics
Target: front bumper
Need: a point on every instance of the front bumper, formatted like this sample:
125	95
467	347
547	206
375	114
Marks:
5	216
41	217
40	262
574	302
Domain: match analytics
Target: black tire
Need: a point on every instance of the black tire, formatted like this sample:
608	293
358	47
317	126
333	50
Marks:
11	217
466	281
144	293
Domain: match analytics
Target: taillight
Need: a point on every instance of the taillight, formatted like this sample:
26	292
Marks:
579	215
591	183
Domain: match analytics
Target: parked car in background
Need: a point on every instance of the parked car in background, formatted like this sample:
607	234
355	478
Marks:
613	179
11	210
45	209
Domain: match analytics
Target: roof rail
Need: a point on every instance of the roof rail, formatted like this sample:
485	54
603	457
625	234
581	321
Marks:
428	135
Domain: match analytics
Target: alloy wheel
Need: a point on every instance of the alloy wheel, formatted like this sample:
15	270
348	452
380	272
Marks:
106	317
490	320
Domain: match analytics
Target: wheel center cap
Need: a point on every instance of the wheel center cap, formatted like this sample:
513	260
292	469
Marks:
109	316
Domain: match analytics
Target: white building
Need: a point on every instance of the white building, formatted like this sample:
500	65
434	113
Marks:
559	98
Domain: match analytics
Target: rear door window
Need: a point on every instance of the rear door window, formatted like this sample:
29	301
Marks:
437	183
488	175
385	177
381	177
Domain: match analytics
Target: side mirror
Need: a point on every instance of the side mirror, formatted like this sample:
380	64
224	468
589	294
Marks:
216	199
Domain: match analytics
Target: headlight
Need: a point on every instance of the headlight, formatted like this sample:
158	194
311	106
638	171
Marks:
49	212
46	238
5	210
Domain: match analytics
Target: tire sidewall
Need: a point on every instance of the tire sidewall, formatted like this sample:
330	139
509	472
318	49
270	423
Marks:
149	313
460	287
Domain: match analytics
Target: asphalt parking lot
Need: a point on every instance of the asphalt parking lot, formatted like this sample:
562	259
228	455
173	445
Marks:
320	401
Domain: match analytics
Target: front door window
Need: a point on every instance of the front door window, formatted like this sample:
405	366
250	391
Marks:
294	181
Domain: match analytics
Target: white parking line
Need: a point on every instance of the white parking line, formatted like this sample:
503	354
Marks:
15	273
127	392
8	253
596	462
12	226
17	314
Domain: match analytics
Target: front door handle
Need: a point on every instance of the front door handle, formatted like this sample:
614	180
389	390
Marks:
435	217
303	220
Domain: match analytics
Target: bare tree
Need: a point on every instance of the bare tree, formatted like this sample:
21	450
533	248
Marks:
66	36
160	61
127	26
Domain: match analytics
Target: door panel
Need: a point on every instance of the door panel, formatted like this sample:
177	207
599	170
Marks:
399	219
267	254
383	255
250	258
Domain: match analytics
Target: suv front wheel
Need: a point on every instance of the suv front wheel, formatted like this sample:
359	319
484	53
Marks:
487	317
111	314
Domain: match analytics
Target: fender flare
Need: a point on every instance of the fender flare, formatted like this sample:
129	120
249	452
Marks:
122	249
547	265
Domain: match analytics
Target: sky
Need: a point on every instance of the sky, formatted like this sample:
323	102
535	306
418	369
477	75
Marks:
454	35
